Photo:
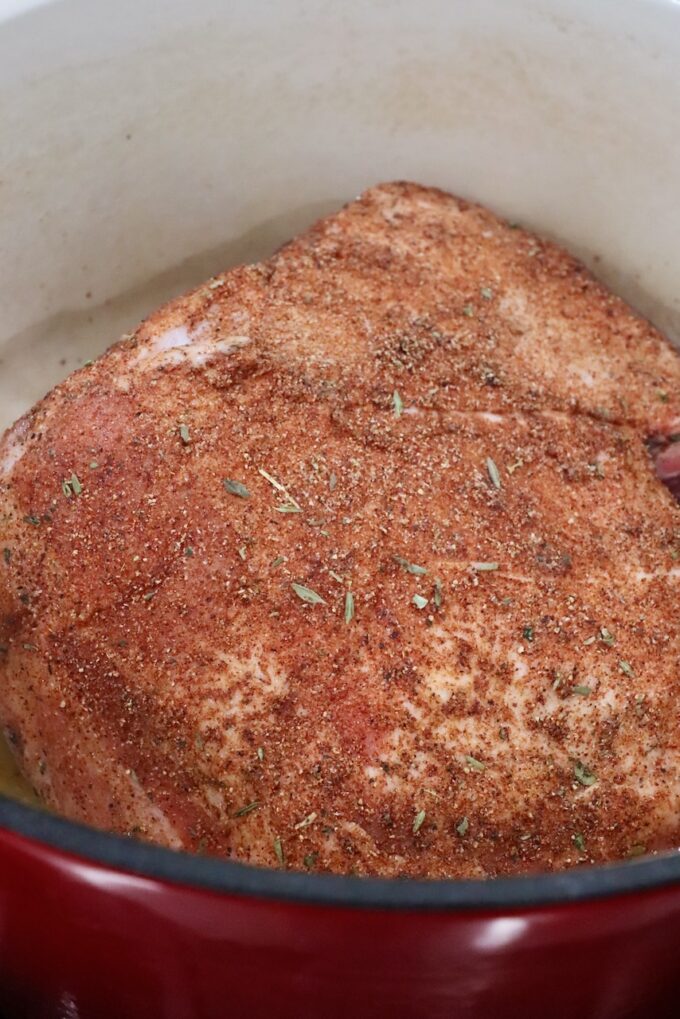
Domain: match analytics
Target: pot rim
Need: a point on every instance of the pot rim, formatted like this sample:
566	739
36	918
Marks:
174	867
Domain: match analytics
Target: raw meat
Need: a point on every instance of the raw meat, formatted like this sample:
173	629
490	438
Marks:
356	561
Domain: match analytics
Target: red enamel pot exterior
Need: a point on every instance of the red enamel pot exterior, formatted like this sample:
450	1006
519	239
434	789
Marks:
82	936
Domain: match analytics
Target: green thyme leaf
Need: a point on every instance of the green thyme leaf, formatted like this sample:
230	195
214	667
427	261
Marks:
463	827
528	633
66	489
473	763
397	404
418	821
247	809
277	562
310	859
260	753
419	601
606	636
484	567
579	842
494	473
184	434
487	293
349	607
584	775
236	488
31	518
417	571
288	507
76	485
468	310
278	849
437	593
626	668
307	595
583	691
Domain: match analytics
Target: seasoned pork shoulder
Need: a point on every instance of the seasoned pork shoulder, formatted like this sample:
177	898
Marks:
356	560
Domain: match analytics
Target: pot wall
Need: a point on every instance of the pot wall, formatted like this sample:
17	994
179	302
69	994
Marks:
146	146
81	941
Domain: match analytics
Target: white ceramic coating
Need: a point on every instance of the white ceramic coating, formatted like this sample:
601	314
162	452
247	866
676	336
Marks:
146	145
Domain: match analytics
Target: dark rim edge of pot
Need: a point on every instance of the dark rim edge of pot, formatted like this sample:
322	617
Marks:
180	868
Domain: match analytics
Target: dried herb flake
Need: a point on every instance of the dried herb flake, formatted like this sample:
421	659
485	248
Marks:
584	775
418	821
494	473
247	809
307	595
236	488
417	571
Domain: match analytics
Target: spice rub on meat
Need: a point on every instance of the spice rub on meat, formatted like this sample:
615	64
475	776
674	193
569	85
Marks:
356	561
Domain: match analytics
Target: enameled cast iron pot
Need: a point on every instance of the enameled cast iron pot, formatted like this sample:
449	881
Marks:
144	146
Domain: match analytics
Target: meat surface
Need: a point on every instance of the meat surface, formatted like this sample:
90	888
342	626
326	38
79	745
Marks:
356	560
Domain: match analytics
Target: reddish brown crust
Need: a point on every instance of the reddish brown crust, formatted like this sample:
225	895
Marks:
175	669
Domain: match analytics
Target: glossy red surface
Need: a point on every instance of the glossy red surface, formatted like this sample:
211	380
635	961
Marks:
79	939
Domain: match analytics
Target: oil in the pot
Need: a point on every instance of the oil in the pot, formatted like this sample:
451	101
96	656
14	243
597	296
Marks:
12	782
